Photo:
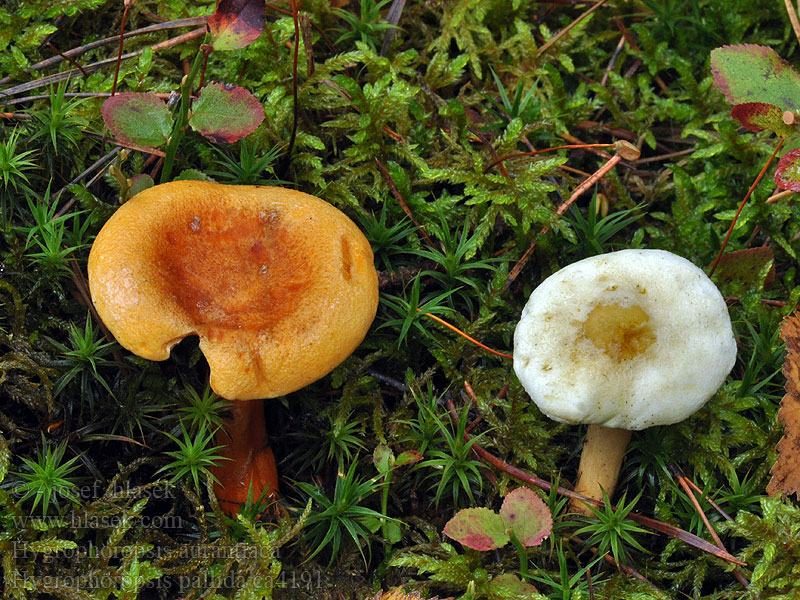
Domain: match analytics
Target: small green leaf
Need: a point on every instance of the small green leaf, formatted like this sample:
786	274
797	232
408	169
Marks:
752	73
226	113
383	459
787	173
140	183
393	532
193	175
138	119
527	516
237	23
757	116
508	585
477	528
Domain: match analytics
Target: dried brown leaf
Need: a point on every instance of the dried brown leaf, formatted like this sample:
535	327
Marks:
786	470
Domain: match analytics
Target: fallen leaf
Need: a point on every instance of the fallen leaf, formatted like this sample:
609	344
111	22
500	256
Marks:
225	113
527	516
786	470
787	173
746	266
757	116
751	73
508	585
477	528
236	23
138	119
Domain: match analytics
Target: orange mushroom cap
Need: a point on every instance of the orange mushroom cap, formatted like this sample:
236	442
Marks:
279	285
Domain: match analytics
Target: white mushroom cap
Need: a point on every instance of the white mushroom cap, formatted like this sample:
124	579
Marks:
628	339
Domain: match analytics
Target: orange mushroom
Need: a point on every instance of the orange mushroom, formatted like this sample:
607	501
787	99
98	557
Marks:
279	286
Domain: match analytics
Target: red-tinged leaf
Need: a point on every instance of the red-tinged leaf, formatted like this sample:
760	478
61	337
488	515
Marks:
508	585
237	23
786	470
138	119
225	113
757	116
524	513
477	528
751	73
787	173
747	266
408	457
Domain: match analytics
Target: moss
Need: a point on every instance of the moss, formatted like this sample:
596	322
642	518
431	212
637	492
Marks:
414	128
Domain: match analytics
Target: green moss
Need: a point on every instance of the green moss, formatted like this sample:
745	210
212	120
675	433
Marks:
462	84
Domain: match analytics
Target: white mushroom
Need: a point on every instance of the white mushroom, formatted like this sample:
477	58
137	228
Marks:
622	341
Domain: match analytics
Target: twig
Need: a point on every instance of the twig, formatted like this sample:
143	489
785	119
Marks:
119	51
790	10
393	18
622	567
537	152
464	335
11	101
100	162
71	61
54	60
612	62
91	68
779	196
398	196
683	481
546	46
623	148
661	157
741	206
775	303
528	478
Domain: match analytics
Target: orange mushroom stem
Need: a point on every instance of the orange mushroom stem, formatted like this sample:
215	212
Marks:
250	468
279	286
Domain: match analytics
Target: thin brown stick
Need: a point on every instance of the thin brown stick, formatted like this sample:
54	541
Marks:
119	51
621	567
10	101
399	197
792	12
467	337
776	303
563	207
661	157
546	46
683	481
544	150
779	196
54	60
71	61
741	206
612	62
91	68
528	478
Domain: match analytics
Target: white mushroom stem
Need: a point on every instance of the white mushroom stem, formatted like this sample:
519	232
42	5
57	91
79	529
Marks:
601	460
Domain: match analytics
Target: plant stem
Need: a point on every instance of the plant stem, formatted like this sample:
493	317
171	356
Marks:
182	121
523	555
